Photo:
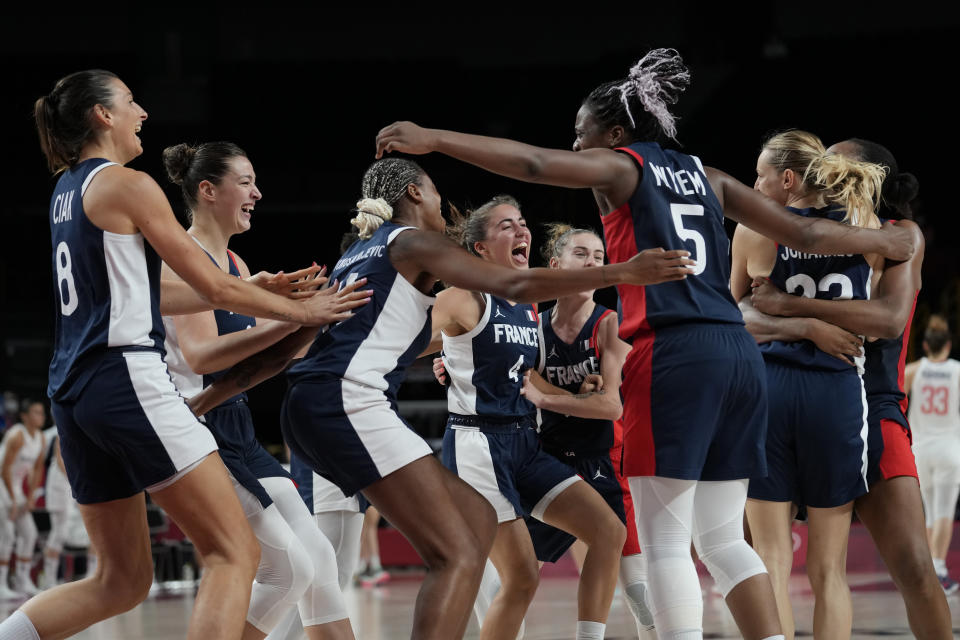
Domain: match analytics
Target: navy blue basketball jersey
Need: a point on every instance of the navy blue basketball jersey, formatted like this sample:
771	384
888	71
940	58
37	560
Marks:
673	207
107	286
566	366
883	376
186	381
486	364
826	277
383	337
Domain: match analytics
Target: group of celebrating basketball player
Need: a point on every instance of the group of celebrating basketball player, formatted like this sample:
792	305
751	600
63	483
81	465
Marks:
637	432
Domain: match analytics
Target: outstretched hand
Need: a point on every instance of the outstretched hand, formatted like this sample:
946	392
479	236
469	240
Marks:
336	305
296	285
405	137
652	266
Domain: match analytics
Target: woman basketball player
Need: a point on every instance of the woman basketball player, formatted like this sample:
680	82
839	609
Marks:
892	510
21	460
680	331
490	442
934	384
297	563
339	413
817	427
123	426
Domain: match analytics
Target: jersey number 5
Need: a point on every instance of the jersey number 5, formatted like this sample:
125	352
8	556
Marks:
677	211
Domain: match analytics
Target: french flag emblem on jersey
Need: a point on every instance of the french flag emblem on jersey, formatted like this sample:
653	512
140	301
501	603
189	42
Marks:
531	315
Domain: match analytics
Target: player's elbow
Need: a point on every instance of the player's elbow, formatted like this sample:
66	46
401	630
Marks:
613	411
890	325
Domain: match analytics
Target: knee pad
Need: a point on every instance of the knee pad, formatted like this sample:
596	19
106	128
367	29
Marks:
284	573
728	557
321	601
342	529
636	595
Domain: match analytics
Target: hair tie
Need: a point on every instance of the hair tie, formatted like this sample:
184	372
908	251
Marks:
657	79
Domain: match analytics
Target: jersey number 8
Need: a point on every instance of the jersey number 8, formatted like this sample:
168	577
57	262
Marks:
68	303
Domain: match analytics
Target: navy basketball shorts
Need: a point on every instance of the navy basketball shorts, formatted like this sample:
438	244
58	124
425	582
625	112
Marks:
128	429
244	457
816	438
549	542
506	464
694	404
348	433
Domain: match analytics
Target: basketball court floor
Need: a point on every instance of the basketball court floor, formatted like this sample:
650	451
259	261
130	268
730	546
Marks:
384	612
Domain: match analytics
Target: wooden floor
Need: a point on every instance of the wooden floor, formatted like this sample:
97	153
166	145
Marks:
384	613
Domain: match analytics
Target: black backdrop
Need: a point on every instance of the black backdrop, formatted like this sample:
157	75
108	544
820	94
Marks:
304	91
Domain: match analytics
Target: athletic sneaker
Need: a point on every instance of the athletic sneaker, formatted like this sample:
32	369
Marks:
374	578
949	584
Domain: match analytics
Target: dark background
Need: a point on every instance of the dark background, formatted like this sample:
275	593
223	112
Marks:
304	91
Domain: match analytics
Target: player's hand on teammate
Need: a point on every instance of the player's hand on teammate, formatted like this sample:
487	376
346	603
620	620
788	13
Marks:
767	298
834	340
592	383
296	285
652	266
439	371
529	390
903	241
405	137
335	304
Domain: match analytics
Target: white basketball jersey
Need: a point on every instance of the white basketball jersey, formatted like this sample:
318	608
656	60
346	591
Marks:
26	457
935	400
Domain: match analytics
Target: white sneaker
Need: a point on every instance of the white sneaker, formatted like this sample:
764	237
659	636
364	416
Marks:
6	593
25	585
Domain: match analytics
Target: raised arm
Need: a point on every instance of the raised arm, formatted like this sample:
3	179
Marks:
144	205
179	298
416	252
767	217
602	169
884	315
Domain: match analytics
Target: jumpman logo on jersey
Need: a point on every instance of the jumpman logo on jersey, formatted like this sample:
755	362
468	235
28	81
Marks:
598	475
553	351
498	314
